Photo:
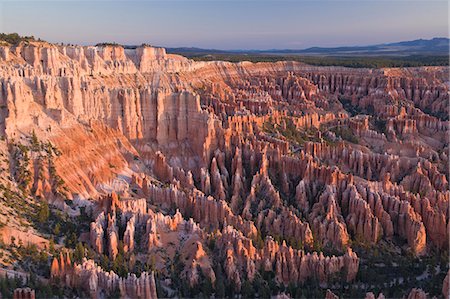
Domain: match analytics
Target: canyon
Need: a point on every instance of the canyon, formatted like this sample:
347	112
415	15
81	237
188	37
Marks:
221	178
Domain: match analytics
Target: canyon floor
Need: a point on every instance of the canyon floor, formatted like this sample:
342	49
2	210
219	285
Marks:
135	173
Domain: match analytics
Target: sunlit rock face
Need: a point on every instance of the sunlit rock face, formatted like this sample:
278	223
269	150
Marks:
269	167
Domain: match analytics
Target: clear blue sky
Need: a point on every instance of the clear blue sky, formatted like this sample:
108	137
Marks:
232	24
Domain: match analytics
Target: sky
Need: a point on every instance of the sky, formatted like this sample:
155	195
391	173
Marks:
230	24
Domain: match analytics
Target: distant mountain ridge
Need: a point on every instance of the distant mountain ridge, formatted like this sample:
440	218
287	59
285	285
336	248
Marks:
434	46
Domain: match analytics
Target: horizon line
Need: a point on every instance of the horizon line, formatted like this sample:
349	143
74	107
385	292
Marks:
234	49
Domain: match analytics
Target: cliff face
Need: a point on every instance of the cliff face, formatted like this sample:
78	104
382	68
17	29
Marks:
255	167
133	92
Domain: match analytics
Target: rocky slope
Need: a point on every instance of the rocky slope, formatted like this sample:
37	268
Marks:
226	175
